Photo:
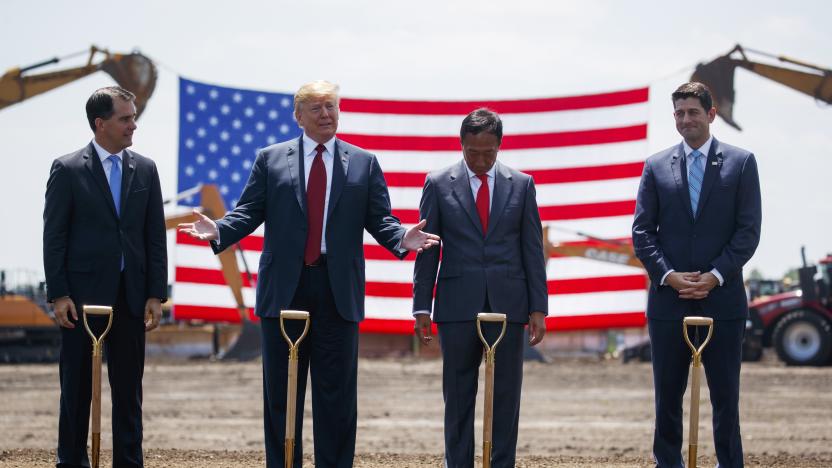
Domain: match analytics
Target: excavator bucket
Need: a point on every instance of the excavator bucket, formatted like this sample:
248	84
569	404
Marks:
718	75
135	73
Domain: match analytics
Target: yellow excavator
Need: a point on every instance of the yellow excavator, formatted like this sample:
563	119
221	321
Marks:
718	75
132	71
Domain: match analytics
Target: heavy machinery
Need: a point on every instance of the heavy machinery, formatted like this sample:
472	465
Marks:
27	331
798	324
132	71
718	75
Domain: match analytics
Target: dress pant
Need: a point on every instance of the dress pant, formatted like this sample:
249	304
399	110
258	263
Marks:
671	361
462	353
124	351
331	349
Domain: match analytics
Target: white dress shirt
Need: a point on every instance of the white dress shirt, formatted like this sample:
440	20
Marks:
108	164
476	183
309	151
704	149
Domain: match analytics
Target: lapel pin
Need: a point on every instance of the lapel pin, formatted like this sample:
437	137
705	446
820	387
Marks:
714	163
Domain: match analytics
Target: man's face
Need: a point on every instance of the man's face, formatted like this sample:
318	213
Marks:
480	151
319	118
693	121
116	133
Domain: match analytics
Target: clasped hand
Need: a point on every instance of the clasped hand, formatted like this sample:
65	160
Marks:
692	285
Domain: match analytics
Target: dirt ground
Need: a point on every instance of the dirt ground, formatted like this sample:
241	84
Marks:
575	413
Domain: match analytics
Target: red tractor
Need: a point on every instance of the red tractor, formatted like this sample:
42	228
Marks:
798	323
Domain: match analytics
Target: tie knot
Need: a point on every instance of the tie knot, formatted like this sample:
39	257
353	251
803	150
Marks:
483	178
114	159
320	150
696	154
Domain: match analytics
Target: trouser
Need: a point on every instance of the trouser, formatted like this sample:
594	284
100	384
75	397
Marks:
331	350
671	361
124	351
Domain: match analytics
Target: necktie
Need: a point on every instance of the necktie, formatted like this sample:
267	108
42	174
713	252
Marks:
695	176
483	200
315	198
115	181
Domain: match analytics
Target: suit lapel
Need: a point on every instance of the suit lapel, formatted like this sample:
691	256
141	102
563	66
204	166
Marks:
128	165
712	167
462	192
679	169
294	156
338	177
502	192
96	170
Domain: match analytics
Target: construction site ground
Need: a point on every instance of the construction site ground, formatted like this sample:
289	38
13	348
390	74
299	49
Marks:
576	412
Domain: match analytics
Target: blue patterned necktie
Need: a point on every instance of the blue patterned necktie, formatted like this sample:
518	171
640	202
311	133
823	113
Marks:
695	176
115	181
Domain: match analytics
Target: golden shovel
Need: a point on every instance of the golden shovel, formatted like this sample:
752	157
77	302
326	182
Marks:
696	375
96	376
292	385
488	414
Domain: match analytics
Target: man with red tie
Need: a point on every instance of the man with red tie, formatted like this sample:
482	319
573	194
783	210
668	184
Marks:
492	261
316	195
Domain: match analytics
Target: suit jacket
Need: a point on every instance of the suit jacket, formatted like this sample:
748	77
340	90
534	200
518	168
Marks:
276	194
508	263
84	239
723	234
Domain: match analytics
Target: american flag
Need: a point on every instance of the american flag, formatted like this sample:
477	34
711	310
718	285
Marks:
585	153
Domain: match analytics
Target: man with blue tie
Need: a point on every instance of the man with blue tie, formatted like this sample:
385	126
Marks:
316	195
697	222
492	260
104	243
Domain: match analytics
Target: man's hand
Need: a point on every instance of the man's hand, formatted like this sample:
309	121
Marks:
415	239
699	288
152	313
203	229
537	327
422	328
64	306
680	280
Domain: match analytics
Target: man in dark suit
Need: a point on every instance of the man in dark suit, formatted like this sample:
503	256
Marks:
316	195
492	261
104	243
697	222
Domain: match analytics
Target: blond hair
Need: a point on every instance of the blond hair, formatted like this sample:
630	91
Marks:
315	89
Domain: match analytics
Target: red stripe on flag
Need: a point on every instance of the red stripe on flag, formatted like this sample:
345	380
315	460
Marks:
510	142
209	314
588	101
541	176
596	321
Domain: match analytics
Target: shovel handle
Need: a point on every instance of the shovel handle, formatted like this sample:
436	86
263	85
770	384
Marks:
490	317
100	311
697	321
294	315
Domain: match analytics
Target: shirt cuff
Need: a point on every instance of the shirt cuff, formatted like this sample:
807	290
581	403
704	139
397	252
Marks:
664	277
421	312
718	276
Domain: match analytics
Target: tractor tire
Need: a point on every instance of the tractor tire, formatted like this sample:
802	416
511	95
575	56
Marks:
803	338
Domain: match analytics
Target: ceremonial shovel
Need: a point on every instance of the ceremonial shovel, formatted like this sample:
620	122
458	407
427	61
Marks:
292	385
696	374
488	414
96	376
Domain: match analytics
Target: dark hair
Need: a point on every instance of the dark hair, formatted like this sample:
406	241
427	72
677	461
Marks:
100	104
696	90
482	120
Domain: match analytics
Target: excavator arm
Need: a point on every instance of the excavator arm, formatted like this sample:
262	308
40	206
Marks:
133	71
603	250
718	75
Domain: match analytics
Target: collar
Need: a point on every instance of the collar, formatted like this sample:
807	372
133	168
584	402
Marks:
704	149
491	172
309	145
104	154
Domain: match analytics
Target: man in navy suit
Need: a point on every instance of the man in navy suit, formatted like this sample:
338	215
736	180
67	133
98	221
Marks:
492	261
104	244
697	222
316	194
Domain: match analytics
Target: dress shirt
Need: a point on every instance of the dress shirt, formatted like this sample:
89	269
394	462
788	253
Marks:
309	146
104	154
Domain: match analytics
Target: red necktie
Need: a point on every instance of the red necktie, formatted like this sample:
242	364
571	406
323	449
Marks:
315	201
483	200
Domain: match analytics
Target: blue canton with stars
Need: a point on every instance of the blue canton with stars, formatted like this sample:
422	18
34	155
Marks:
220	131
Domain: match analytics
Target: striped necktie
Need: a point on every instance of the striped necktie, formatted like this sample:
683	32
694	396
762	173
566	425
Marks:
695	176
